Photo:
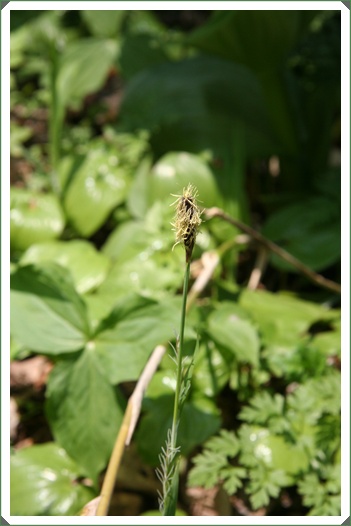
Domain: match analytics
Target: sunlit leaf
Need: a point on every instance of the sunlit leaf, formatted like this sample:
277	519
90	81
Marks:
47	314
45	481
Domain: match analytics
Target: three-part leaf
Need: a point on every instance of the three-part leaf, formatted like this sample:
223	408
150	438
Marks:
47	314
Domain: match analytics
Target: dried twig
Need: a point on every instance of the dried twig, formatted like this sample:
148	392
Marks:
259	268
318	279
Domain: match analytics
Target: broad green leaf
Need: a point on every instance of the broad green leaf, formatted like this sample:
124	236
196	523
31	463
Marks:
200	419
153	276
98	185
282	319
47	314
250	38
211	370
174	171
87	266
144	238
125	339
195	103
104	23
83	410
34	218
140	51
328	343
310	230
236	334
45	481
83	69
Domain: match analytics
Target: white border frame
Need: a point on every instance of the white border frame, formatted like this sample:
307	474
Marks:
5	244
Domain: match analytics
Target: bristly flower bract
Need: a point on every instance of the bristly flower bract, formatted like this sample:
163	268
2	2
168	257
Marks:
187	219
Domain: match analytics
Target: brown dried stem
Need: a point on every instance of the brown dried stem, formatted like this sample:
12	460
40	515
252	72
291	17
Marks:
318	279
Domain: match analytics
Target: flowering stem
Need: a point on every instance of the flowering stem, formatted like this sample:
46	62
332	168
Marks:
170	460
175	421
186	224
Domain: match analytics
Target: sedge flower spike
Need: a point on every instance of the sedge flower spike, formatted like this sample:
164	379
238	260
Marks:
187	219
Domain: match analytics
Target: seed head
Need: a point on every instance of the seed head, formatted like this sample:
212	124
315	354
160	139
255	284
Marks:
187	219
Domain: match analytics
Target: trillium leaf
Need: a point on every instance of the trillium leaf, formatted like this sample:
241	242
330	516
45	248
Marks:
87	266
44	481
282	319
98	185
34	218
234	333
47	314
125	339
83	69
83	410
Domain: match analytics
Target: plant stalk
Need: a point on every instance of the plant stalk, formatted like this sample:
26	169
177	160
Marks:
171	495
176	415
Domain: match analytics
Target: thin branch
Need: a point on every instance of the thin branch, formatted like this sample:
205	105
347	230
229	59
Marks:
318	279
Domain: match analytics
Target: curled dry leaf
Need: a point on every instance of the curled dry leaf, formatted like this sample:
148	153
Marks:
90	508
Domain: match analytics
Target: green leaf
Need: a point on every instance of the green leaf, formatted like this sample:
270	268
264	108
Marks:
226	443
125	339
282	319
211	370
18	136
259	445
45	481
83	69
213	466
104	23
87	266
148	274
315	397
234	333
206	470
310	230
34	218
321	491
98	185
249	37
328	343
171	173
83	410
232	477
266	409
47	314
265	483
140	51
187	111
227	34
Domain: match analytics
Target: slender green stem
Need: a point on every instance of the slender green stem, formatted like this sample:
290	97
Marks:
55	123
179	359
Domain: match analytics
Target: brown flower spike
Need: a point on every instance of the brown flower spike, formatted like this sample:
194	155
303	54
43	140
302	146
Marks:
187	219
